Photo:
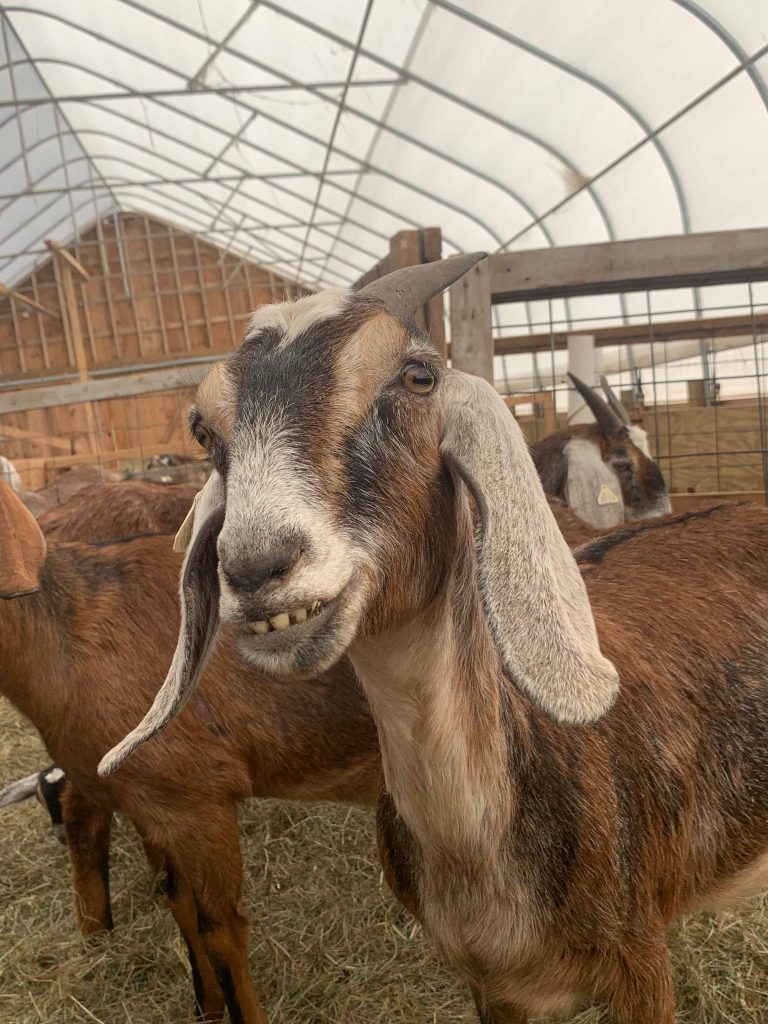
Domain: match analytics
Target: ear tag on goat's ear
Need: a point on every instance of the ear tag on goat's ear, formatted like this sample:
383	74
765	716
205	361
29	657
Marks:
184	536
605	497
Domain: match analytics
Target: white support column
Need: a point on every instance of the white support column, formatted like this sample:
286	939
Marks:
581	363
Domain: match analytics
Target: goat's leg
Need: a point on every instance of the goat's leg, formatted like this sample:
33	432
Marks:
210	861
87	827
643	991
497	1013
209	999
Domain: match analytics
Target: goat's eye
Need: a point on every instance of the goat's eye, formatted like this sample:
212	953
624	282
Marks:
418	379
203	436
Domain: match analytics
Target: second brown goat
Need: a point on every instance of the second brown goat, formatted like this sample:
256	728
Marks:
86	633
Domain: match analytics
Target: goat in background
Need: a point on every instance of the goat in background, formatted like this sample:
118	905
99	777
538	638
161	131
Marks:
602	470
85	634
572	757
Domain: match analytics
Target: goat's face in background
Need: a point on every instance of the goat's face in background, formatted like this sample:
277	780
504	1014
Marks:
602	470
331	472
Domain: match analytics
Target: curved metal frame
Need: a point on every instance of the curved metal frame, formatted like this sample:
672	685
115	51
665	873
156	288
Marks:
224	212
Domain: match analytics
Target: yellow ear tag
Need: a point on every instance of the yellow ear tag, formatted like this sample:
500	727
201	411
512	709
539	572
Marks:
605	497
184	536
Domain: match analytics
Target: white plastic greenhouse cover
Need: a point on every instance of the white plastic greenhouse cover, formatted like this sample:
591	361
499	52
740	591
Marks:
303	133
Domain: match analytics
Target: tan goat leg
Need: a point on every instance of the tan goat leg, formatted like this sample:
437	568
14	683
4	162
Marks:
643	992
499	1014
87	827
209	860
209	999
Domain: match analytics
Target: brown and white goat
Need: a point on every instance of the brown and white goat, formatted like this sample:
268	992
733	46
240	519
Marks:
86	632
572	756
602	470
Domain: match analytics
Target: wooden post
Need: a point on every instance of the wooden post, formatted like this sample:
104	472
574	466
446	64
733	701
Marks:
471	338
67	264
409	248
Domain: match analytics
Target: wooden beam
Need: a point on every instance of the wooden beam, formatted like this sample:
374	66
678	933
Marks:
66	265
22	434
68	258
632	334
33	303
104	388
471	340
88	458
674	261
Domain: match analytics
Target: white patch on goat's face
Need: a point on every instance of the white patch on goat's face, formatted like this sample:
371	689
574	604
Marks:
54	775
639	439
294	318
272	497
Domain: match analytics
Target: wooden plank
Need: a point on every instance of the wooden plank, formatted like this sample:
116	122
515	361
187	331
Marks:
7	430
33	303
99	390
88	458
673	261
471	340
639	333
431	249
68	258
76	334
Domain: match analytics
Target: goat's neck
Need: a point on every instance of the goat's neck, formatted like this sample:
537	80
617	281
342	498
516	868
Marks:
436	693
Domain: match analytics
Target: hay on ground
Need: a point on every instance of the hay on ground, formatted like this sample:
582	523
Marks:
329	946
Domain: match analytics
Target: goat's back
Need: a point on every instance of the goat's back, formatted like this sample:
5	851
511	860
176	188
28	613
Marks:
119	509
117	616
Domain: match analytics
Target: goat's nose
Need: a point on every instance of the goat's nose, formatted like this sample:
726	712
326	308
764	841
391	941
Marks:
248	573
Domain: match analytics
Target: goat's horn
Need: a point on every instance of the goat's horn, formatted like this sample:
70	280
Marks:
607	420
403	291
613	401
20	790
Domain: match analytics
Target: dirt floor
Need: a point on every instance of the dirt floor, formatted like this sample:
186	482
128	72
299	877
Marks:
329	942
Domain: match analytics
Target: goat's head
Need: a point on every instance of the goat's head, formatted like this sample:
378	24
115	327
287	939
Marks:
22	546
354	461
604	471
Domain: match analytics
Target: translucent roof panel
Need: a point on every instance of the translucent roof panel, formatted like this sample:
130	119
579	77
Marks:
303	133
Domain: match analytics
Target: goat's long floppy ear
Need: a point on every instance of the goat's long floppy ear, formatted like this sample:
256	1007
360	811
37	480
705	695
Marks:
22	546
199	592
403	291
592	488
20	790
534	598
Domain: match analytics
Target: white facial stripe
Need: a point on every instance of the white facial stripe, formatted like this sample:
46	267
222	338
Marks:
294	318
271	496
639	439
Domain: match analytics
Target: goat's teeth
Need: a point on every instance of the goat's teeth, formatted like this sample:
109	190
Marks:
300	615
281	621
260	627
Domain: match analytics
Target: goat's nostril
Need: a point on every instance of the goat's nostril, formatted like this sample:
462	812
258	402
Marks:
248	573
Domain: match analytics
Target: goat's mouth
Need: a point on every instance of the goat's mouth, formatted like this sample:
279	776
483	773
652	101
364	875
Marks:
301	641
285	620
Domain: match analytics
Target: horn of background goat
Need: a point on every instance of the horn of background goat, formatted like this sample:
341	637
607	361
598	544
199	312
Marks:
614	402
403	291
607	420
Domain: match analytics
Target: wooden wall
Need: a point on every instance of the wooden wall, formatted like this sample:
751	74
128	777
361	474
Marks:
155	296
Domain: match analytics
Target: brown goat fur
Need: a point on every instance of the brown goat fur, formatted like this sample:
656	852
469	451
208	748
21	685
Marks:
573	754
82	658
110	510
